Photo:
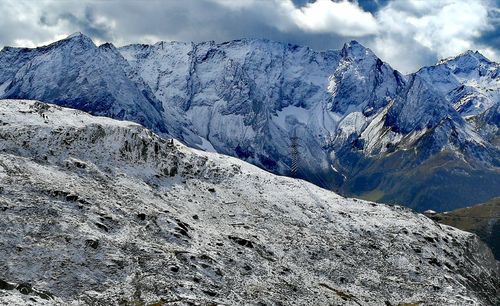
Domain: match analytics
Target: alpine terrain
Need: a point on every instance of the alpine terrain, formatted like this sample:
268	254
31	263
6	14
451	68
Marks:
482	219
425	140
95	211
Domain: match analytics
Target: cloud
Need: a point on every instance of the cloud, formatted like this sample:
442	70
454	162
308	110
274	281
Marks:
241	4
405	33
426	29
29	24
325	16
321	16
88	22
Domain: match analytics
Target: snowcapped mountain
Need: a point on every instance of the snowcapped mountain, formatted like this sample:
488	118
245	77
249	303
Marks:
427	140
471	84
99	212
361	124
74	72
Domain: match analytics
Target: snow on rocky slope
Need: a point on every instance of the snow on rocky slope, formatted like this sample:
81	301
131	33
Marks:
102	212
363	128
470	82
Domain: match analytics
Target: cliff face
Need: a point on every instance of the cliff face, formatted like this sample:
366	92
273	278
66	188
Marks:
426	140
98	211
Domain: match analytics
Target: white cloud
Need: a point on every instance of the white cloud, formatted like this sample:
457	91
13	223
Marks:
32	24
28	43
236	4
444	28
490	53
405	33
322	16
326	16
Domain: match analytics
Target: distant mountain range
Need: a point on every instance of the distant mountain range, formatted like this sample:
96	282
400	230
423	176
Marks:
426	140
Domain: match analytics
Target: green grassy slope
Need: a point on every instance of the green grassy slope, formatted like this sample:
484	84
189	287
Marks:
443	182
482	219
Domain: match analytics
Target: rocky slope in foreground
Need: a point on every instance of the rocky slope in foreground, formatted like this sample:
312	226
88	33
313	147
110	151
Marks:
102	212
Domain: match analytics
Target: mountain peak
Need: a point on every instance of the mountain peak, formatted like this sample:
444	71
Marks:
76	34
80	37
356	50
475	54
469	56
354	43
108	46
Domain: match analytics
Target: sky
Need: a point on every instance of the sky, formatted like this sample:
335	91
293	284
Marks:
407	34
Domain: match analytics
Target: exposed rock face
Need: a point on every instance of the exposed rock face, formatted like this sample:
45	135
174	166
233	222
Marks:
103	212
364	129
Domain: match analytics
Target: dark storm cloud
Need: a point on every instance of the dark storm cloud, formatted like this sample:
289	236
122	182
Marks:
492	36
87	23
392	28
